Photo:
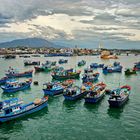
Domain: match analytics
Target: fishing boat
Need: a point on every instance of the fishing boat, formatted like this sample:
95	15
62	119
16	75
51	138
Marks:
46	67
96	93
3	80
24	56
81	63
137	66
119	96
58	69
14	108
88	70
29	63
108	55
53	89
52	63
36	55
66	74
67	83
74	93
13	86
130	71
10	56
90	77
62	61
111	69
96	65
13	73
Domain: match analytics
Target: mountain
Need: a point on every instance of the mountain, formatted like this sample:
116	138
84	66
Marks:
30	42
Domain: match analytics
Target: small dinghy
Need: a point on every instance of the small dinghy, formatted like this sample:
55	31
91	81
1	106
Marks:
96	65
62	61
81	63
130	71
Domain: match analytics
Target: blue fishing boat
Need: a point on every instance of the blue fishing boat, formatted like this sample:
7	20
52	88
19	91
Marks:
13	73
3	80
13	86
14	108
74	93
62	61
96	65
81	63
90	77
111	69
52	89
137	66
119	96
96	93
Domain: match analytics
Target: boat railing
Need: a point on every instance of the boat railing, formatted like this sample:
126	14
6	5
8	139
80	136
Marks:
8	105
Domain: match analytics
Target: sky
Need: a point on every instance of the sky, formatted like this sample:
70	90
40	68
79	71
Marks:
85	23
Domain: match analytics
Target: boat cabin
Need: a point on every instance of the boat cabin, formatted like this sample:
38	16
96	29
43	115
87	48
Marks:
11	106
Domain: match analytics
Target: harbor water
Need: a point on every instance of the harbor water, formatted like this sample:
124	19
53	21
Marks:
63	120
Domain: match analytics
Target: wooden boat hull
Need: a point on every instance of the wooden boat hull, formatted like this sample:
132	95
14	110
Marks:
76	97
118	103
26	112
62	62
74	76
53	92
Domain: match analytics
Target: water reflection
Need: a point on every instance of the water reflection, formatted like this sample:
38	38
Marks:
16	94
16	124
70	105
93	107
116	112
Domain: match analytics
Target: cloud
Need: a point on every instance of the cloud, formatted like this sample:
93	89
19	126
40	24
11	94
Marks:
48	32
102	19
131	12
70	21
